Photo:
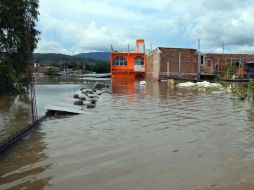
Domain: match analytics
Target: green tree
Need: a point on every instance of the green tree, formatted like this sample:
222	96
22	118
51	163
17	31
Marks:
18	39
51	71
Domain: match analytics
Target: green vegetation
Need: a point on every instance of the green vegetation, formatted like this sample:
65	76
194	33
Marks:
18	38
229	72
240	93
244	92
251	89
53	58
72	62
50	71
100	67
251	86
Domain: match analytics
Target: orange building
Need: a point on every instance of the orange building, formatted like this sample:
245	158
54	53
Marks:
129	65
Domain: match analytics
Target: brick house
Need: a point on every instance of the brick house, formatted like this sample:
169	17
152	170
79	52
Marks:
164	63
242	64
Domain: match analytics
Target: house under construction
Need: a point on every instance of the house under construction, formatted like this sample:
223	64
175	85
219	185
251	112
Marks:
182	63
129	65
165	63
241	66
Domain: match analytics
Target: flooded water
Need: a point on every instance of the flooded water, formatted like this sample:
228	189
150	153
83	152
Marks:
138	137
14	114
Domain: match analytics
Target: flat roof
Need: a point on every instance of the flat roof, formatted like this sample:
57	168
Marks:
127	53
177	48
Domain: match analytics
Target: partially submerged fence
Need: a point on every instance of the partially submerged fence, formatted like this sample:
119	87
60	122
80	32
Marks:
20	134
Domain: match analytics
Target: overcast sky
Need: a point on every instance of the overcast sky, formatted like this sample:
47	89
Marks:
93	25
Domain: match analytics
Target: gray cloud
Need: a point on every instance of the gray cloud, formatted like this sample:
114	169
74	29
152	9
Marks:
90	25
216	22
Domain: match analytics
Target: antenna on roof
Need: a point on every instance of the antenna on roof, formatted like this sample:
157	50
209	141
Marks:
223	47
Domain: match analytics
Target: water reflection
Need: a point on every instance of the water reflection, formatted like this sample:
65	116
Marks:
139	137
15	114
23	165
61	79
123	86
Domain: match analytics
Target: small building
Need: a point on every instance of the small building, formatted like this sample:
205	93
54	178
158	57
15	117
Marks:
163	63
241	65
129	65
181	63
39	68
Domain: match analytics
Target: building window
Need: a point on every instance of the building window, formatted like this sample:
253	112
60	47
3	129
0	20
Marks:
119	61
139	60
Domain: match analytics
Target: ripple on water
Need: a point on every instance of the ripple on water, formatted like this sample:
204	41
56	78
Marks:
152	137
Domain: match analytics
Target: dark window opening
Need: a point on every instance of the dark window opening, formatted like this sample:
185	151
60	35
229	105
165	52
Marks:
119	61
139	60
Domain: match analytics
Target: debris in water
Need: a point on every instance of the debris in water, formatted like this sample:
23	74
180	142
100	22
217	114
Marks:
90	105
79	102
61	109
82	97
90	96
142	83
200	85
99	86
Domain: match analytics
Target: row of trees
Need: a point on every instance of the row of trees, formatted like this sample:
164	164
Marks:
98	67
18	39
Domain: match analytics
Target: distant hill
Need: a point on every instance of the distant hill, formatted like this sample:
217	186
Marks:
53	58
104	56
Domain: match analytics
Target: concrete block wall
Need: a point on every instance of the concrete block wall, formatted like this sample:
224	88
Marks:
163	63
218	63
152	65
167	59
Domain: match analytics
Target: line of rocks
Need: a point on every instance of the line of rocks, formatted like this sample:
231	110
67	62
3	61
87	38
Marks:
89	97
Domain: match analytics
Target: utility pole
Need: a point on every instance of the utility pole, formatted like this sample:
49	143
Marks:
199	44
179	65
168	69
199	59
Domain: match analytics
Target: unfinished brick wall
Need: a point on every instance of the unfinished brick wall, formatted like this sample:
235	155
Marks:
170	58
217	63
149	66
164	63
152	65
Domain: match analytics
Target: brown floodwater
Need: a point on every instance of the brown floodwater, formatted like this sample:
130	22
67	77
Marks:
139	138
15	114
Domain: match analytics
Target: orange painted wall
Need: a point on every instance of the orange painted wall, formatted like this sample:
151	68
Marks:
130	57
128	70
139	42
